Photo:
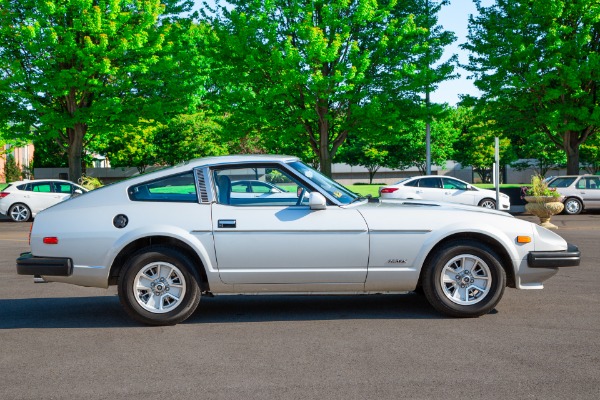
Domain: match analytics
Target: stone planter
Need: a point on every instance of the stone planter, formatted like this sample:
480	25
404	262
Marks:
544	207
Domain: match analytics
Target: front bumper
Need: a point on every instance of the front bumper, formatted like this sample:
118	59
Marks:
554	259
28	264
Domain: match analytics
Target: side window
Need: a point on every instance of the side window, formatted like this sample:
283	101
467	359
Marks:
26	187
258	186
430	183
588	183
60	187
413	183
42	187
240	187
453	184
175	188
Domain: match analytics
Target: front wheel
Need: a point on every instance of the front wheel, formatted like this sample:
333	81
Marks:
487	203
159	286
464	279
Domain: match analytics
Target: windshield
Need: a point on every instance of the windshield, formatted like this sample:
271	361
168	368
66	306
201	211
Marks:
562	182
339	192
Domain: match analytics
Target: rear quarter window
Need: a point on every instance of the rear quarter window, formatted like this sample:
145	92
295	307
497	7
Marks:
177	188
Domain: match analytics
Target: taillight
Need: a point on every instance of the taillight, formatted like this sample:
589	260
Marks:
4	194
50	240
388	190
30	229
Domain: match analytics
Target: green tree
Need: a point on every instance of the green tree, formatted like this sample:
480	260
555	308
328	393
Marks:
132	145
590	155
74	69
409	146
538	66
319	70
475	145
189	136
538	153
363	151
11	169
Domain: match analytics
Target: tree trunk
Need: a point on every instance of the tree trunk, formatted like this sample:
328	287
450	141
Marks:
571	146
323	122
76	135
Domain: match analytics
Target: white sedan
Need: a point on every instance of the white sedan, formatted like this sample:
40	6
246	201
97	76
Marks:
442	188
22	200
169	237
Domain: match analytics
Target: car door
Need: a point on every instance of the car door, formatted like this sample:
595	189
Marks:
40	195
430	188
589	189
285	242
455	191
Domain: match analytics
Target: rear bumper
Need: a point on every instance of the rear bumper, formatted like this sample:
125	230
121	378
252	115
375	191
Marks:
554	259
28	264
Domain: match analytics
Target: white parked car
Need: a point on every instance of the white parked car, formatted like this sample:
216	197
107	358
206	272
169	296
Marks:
442	188
170	236
22	200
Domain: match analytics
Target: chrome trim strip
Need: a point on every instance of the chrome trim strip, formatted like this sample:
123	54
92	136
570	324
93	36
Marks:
416	231
290	231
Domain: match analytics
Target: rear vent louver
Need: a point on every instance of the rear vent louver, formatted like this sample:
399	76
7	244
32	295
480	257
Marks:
202	187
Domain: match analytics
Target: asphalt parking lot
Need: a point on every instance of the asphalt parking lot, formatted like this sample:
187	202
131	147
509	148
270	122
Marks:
64	342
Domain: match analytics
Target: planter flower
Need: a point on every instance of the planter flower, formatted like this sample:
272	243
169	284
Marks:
542	201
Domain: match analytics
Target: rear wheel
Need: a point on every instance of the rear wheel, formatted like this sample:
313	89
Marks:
487	203
573	206
159	286
19	212
464	279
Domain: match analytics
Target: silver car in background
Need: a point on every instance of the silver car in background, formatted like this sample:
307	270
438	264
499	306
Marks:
579	192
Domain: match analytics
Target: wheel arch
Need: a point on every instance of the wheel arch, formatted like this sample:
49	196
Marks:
505	259
158	240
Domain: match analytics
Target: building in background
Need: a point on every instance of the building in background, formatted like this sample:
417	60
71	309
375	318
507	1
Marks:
22	156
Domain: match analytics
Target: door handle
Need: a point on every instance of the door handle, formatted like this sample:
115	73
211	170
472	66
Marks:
227	223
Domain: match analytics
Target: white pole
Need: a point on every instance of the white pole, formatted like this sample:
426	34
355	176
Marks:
497	171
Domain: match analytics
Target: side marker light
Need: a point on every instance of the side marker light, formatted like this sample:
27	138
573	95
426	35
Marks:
50	240
523	239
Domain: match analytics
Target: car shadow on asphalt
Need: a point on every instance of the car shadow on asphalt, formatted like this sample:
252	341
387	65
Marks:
106	312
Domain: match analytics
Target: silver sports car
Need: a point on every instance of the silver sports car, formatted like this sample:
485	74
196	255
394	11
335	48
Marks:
169	237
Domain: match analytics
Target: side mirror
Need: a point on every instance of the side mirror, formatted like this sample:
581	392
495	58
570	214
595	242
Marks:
77	192
316	201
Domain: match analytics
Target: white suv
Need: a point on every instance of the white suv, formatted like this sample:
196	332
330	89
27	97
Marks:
22	200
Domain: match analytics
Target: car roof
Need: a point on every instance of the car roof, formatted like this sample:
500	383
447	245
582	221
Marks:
574	176
235	159
40	180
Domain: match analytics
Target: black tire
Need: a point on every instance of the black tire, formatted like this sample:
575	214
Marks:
573	206
481	288
19	212
488	203
159	286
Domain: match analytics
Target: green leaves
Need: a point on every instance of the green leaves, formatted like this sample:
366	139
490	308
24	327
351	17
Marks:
75	69
539	68
320	70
